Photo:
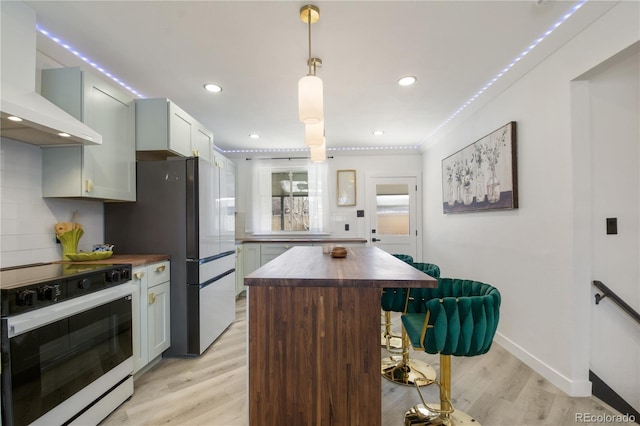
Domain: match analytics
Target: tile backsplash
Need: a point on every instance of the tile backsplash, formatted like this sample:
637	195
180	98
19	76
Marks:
27	220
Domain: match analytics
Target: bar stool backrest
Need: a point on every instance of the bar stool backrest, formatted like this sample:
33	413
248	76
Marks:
464	316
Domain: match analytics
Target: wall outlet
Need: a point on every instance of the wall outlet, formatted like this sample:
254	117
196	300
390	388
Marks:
612	225
346	226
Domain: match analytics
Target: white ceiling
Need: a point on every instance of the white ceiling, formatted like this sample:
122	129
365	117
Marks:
257	51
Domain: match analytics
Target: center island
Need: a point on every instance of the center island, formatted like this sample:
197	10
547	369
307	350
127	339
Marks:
314	335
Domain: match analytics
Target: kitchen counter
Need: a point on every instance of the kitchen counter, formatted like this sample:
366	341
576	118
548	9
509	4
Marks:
132	259
314	335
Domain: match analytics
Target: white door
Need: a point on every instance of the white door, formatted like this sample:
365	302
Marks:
392	203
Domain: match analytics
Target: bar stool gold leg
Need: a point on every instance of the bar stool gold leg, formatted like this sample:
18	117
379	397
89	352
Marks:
387	338
443	413
402	370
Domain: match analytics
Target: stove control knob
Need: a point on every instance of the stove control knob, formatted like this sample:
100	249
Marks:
125	274
25	297
84	283
45	292
113	276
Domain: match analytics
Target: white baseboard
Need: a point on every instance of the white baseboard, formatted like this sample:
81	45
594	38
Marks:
574	388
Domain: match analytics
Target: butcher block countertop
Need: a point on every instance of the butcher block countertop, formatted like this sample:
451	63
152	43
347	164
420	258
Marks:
132	259
362	267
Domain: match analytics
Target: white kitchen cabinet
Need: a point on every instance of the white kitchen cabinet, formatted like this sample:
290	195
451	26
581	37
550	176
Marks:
250	257
151	313
270	251
104	171
164	127
202	143
159	315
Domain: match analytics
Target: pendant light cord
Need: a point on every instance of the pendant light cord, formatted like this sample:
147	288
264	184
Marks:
309	23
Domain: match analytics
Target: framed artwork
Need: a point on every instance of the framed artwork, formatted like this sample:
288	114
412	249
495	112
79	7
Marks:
346	187
482	176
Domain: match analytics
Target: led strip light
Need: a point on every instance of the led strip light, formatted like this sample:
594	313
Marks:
87	60
508	67
411	147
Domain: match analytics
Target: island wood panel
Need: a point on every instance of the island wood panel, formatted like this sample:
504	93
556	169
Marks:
314	335
314	356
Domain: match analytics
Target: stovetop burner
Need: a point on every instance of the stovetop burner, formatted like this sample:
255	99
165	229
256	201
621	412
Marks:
27	287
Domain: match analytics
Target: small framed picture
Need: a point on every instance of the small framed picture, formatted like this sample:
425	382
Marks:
346	188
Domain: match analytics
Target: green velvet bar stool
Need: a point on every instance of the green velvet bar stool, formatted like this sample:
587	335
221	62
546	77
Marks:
393	300
460	319
398	367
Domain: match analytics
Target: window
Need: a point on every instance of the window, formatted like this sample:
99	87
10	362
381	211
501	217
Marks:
289	201
288	196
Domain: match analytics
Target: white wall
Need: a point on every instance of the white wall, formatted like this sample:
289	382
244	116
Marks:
339	216
27	220
528	253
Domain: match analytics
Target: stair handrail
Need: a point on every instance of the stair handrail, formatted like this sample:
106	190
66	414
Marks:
607	292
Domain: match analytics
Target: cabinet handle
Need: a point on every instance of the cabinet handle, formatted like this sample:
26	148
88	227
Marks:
139	275
160	268
152	298
88	185
196	153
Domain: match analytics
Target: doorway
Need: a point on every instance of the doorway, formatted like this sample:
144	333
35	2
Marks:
393	218
605	126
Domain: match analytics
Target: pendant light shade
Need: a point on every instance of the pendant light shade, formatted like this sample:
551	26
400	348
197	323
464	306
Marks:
318	153
314	134
310	99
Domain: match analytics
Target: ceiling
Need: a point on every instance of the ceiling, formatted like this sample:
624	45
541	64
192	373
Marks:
257	51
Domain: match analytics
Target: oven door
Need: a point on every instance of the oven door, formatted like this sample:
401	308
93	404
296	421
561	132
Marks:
60	359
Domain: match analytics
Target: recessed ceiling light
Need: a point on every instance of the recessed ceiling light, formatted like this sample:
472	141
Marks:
14	118
407	81
378	133
213	88
254	136
64	135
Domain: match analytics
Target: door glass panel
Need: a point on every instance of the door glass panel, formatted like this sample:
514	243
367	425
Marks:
392	209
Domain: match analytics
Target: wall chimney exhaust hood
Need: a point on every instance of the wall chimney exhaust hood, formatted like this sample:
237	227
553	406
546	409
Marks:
42	122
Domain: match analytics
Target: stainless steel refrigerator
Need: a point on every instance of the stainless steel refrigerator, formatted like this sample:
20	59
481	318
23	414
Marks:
185	207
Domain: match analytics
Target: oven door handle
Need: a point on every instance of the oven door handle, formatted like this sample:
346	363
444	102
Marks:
27	321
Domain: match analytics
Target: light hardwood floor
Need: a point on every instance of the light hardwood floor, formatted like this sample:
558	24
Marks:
496	388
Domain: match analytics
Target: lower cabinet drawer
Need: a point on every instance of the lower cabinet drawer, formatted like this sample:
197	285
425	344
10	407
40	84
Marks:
159	273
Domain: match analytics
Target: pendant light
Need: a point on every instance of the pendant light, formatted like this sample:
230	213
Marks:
318	153
310	100
314	134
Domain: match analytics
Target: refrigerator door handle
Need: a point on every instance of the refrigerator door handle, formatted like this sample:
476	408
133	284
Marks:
217	278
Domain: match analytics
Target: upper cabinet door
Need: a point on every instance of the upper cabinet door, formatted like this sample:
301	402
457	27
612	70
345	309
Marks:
104	171
202	143
112	166
164	129
180	131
